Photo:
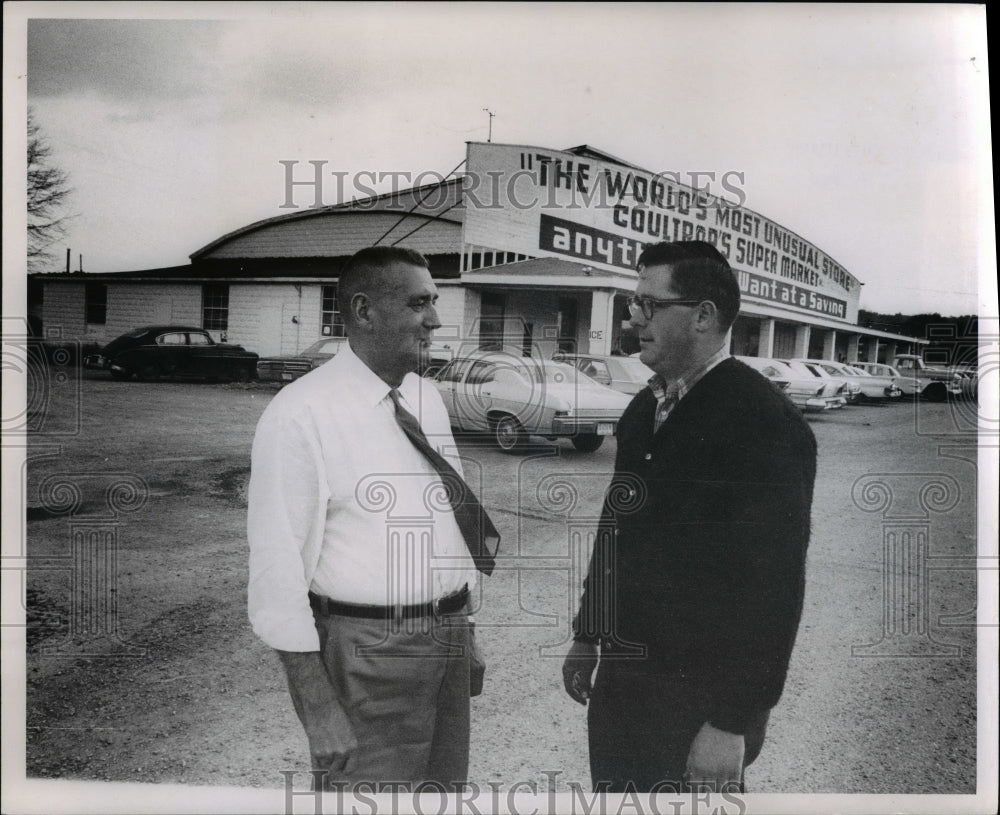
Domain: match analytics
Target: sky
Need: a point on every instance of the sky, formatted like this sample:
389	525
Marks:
863	128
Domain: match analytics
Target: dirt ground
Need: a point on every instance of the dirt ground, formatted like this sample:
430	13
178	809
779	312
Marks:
141	665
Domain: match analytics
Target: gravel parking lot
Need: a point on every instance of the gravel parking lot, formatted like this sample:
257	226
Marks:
141	665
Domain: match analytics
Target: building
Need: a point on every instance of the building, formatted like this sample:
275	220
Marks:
530	248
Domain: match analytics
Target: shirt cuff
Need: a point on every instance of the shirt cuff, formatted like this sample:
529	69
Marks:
286	633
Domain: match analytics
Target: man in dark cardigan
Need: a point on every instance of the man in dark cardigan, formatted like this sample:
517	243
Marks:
695	587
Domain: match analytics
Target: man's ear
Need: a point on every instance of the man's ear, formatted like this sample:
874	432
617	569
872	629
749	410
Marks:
359	307
706	316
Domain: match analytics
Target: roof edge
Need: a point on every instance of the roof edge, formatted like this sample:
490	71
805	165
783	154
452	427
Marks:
369	204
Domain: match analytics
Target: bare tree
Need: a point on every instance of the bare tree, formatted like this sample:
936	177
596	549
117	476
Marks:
48	191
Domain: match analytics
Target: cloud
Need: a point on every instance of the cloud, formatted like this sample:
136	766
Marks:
135	61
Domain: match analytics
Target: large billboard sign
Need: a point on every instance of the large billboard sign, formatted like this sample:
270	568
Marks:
542	202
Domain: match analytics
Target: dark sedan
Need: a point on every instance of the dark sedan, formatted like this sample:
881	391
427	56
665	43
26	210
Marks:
173	351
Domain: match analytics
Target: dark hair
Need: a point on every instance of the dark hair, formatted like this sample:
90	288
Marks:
698	272
362	270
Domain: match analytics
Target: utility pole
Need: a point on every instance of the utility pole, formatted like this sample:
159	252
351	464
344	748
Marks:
489	137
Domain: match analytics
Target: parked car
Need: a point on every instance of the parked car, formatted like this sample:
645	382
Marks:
512	397
290	367
875	386
852	390
831	386
625	374
930	382
868	387
173	351
802	388
969	378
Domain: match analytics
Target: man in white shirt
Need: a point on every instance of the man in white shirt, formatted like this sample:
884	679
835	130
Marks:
359	571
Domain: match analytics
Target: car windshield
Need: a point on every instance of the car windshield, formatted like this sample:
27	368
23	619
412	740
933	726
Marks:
801	368
329	346
541	371
558	373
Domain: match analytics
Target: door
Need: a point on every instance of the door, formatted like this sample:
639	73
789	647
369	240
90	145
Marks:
568	322
204	358
491	317
171	354
472	397
447	383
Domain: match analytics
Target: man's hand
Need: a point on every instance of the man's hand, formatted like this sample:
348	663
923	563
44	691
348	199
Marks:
716	759
578	668
331	737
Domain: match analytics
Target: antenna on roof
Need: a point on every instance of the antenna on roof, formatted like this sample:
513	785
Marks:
489	137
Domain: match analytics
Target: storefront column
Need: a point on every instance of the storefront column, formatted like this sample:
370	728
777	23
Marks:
602	314
765	340
890	353
852	348
802	341
830	345
873	350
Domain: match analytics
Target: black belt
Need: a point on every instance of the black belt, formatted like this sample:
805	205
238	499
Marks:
446	605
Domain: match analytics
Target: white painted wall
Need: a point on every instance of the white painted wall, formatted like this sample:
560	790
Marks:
62	311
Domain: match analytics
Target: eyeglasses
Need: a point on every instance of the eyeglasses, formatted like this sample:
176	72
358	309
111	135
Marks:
648	305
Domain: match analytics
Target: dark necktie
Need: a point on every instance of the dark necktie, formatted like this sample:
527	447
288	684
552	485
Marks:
480	535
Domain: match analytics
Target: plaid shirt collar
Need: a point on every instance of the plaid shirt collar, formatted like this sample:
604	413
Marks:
677	389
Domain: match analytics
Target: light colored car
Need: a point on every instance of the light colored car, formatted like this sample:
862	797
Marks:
832	387
625	374
868	387
911	383
852	390
512	397
802	388
875	386
931	382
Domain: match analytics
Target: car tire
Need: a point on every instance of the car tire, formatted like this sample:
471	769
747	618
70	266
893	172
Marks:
588	442
243	374
508	434
934	392
149	372
120	375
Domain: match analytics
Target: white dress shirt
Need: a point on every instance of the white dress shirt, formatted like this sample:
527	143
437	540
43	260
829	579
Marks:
341	503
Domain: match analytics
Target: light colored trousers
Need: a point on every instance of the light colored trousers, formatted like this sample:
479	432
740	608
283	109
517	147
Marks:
404	684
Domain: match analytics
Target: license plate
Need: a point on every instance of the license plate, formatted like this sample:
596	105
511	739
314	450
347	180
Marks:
605	429
286	377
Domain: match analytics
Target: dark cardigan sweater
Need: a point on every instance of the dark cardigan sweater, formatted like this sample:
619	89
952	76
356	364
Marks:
698	568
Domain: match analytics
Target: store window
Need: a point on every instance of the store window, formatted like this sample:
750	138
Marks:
331	320
96	303
215	306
